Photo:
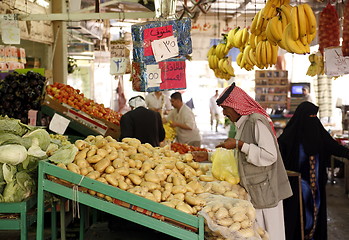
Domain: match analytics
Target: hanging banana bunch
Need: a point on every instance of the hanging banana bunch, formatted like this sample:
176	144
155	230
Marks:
316	65
300	29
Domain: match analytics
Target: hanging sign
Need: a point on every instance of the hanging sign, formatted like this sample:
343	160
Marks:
151	34
165	48
118	65
58	124
117	50
153	76
335	63
10	32
172	75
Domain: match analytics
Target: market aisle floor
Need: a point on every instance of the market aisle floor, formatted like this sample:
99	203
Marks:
337	201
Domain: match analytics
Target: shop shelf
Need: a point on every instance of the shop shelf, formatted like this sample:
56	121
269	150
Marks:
125	205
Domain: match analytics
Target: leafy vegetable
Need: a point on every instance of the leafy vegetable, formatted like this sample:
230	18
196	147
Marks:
42	135
65	154
11	125
35	149
10	138
12	154
9	172
22	187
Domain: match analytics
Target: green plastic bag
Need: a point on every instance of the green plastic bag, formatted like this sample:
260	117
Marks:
225	165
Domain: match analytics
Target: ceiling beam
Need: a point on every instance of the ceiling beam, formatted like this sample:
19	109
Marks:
84	16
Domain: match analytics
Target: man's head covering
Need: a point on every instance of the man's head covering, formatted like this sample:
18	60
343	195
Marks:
236	98
137	101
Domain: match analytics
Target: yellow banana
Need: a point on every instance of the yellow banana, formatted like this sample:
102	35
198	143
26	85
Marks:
294	23
287	12
220	65
259	24
228	67
251	40
238	59
211	51
210	61
283	42
258	53
310	37
275	53
311	18
284	21
238	38
230	38
295	46
252	56
246	56
264	53
215	61
301	21
269	52
270	36
254	22
276	28
245	36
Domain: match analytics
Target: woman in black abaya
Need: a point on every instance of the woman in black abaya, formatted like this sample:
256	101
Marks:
306	148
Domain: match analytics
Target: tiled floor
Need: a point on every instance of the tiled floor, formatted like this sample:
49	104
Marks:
337	201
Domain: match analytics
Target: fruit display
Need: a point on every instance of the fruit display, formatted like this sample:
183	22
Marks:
66	94
345	42
316	65
185	148
329	30
20	93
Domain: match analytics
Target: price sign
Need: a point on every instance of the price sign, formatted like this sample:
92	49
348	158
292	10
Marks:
10	32
117	50
58	124
152	34
118	65
335	63
165	48
173	75
153	76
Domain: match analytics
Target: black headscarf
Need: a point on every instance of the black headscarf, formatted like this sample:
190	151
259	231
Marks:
304	127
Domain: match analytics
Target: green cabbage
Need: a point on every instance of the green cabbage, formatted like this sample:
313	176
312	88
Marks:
42	135
35	149
64	154
19	189
11	125
9	138
12	154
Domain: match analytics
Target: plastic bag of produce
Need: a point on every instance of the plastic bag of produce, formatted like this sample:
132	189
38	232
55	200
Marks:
225	165
226	189
231	219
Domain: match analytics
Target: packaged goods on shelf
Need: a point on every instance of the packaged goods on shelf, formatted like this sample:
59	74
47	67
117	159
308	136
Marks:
144	33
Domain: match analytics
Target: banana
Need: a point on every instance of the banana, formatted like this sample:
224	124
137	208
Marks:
252	56
258	53
270	36
276	28
230	38
294	23
283	42
210	61
238	38
254	22
275	53
311	18
284	20
211	51
245	36
251	40
264	53
215	61
259	24
287	11
246	57
310	37
269	52
220	65
228	67
295	46
238	59
301	21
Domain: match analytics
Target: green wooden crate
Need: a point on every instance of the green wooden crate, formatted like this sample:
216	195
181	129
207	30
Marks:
192	226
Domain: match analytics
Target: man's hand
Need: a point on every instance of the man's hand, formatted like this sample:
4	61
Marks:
228	143
200	156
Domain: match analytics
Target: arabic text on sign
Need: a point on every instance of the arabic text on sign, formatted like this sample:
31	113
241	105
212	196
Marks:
165	48
152	34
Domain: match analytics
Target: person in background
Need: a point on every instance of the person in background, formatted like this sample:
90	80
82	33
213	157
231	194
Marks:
155	101
306	147
261	169
142	123
214	111
306	94
183	119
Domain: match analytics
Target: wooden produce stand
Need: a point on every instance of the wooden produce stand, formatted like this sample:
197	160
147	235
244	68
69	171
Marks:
272	88
123	204
80	121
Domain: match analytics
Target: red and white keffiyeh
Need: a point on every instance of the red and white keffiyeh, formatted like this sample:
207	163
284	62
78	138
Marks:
243	104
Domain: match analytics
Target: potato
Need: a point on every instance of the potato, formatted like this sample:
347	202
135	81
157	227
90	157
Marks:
179	189
151	177
168	204
111	180
73	168
62	165
82	163
81	155
135	179
123	171
157	195
93	174
194	200
92	151
207	178
225	222
84	171
222	213
94	159
81	144
109	169
102	165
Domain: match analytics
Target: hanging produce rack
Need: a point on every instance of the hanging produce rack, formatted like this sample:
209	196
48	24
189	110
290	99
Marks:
126	205
80	121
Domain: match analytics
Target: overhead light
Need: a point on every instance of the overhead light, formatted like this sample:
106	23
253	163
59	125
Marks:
42	3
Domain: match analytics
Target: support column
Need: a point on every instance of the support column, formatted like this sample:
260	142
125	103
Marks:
60	45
